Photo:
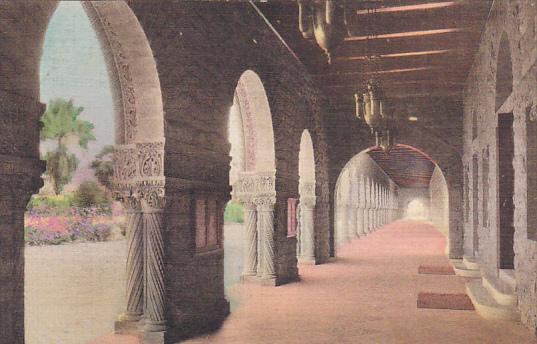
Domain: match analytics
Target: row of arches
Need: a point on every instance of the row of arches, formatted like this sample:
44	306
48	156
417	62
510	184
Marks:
174	191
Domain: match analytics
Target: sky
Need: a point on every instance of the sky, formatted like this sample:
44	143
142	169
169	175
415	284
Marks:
73	67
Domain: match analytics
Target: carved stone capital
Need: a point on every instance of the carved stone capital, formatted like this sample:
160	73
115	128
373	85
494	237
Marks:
250	186
264	203
139	181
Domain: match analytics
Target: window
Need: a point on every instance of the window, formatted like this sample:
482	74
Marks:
292	217
208	218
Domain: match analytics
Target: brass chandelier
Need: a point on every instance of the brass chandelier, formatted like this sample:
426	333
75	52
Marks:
328	22
372	107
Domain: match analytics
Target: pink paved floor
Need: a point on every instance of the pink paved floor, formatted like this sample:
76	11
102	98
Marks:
367	296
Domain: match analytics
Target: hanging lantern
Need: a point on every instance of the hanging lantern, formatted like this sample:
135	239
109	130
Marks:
324	21
372	108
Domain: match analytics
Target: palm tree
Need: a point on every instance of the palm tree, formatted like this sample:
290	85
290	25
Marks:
61	122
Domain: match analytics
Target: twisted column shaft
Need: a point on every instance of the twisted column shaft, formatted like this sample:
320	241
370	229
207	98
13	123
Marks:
265	226
135	267
155	292
250	240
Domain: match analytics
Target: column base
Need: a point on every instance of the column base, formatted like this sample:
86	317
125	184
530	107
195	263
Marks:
269	281
154	337
129	324
154	326
307	260
250	278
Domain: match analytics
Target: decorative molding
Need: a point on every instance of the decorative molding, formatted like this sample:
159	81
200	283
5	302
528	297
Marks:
256	188
248	123
128	94
139	175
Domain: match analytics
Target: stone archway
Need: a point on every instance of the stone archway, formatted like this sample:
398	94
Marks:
139	163
254	187
306	173
366	201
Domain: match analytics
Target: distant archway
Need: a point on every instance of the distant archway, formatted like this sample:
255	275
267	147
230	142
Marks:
306	172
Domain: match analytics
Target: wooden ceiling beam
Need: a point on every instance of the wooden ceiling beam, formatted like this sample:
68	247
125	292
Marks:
446	73
448	58
458	40
468	15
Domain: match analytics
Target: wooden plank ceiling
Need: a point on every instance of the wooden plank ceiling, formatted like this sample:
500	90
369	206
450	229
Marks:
423	49
407	166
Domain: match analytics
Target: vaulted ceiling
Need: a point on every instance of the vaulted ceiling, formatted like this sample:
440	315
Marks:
406	166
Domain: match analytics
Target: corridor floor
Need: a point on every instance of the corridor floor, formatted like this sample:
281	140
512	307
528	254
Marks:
367	296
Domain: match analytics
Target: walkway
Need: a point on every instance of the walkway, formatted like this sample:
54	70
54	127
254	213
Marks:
73	292
367	296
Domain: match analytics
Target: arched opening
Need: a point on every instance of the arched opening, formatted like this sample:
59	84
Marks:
252	177
119	89
306	213
504	72
417	210
366	198
375	188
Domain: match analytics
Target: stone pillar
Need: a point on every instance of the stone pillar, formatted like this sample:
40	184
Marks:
139	183
360	208
265	228
307	228
250	240
351	221
134	291
342	223
367	210
154	288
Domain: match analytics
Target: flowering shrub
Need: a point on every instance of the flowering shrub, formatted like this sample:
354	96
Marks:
85	230
36	237
75	224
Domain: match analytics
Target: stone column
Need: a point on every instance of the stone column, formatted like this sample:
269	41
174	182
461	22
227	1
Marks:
250	240
359	208
367	205
342	223
134	309
154	288
307	228
265	227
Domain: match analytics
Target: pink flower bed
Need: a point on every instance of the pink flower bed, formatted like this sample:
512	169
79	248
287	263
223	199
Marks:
52	224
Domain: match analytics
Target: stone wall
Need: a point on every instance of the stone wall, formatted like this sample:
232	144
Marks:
201	50
515	22
439	201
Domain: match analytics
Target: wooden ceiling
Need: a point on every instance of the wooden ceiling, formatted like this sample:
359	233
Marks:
406	166
423	47
423	53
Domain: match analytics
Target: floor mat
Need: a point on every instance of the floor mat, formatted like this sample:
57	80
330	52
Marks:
444	301
436	270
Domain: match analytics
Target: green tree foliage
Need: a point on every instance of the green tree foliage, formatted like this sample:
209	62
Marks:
103	167
89	194
61	122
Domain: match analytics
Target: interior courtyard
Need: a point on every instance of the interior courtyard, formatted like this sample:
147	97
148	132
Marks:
280	171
